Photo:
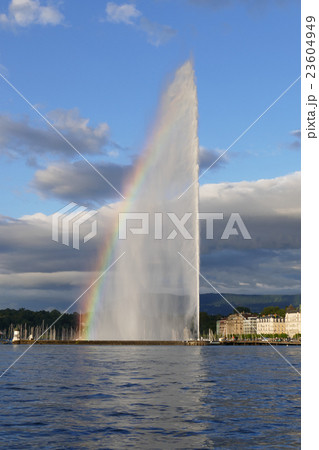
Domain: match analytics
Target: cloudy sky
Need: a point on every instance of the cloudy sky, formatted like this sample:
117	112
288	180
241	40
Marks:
95	71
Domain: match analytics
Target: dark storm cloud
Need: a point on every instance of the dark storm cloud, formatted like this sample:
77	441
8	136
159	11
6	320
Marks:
296	144
270	210
209	157
78	182
273	231
38	272
26	246
264	271
20	136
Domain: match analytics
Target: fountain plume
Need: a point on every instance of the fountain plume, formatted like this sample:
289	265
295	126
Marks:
152	293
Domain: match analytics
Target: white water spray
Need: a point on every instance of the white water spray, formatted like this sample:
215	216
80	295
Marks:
152	293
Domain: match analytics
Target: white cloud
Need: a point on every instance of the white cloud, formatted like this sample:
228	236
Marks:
274	196
125	13
157	34
296	133
28	12
113	153
4	70
128	14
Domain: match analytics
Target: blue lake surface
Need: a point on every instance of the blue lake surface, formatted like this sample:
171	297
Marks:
103	397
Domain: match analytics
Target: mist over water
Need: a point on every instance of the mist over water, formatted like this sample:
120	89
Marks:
151	292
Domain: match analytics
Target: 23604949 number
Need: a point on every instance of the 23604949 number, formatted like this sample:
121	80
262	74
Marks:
310	50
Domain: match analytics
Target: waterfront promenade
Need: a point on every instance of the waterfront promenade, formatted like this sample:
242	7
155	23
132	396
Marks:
141	342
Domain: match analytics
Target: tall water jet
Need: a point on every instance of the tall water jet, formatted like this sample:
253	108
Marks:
151	292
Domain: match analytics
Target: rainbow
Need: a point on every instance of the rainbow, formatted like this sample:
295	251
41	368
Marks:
132	190
107	253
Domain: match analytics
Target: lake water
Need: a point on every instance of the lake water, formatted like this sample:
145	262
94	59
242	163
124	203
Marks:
219	397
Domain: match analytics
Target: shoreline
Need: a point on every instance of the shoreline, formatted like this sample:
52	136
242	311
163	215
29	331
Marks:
149	342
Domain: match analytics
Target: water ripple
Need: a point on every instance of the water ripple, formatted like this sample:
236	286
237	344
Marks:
155	397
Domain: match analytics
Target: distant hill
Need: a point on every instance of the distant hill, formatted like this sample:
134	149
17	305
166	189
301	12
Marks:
214	304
